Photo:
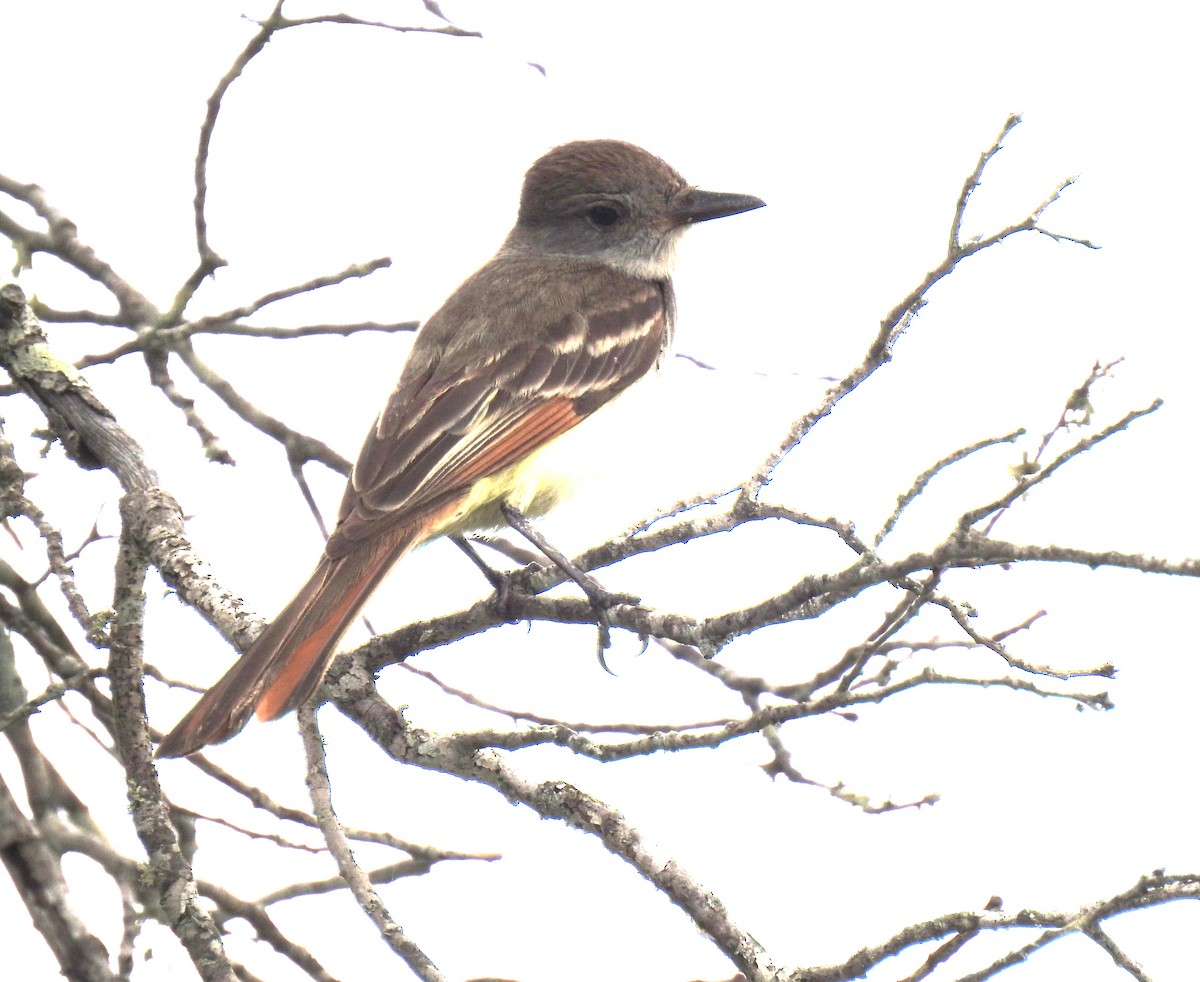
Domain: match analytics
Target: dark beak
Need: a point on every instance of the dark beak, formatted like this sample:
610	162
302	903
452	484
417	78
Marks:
699	206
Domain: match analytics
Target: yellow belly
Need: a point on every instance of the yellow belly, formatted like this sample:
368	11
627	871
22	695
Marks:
549	475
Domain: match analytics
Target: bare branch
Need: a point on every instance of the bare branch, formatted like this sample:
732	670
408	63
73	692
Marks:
265	929
62	240
558	800
1025	483
88	432
52	693
299	446
923	479
357	271
37	875
51	316
897	321
12	480
317	779
210	261
974	179
1153	890
167	873
615	726
213	326
160	378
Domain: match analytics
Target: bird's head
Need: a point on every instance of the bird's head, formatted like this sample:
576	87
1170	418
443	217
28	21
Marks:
616	203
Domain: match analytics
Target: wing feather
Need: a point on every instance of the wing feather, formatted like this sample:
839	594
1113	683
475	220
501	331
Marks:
484	389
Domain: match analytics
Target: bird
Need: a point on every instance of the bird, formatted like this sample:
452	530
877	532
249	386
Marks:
575	307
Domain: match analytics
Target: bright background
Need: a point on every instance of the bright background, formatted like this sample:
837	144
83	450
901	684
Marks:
857	123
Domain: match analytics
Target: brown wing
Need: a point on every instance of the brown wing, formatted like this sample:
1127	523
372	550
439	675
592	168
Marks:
484	388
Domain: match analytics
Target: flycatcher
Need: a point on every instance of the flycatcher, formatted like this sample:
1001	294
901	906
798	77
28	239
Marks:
575	307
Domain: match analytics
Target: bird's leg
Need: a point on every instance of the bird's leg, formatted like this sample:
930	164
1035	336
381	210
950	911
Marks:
598	595
600	598
522	555
498	580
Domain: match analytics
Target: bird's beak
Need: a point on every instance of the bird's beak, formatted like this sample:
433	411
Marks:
695	206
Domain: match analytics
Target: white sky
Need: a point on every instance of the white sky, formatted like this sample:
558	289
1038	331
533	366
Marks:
857	123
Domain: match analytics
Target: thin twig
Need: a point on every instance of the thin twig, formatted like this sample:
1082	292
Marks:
317	779
974	179
160	378
299	446
922	480
1024	484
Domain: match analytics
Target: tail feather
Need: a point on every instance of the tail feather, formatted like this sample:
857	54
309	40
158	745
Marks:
286	663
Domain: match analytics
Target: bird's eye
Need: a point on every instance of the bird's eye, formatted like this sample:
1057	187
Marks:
603	216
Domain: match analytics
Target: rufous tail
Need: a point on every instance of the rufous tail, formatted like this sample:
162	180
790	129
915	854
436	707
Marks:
286	663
